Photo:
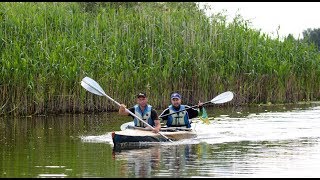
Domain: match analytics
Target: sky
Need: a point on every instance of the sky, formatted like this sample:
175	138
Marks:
292	17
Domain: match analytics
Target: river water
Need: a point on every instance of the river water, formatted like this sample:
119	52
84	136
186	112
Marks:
244	142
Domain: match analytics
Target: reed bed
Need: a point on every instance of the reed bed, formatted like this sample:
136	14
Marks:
48	47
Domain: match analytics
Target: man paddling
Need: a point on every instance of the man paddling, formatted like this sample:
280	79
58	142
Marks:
144	111
178	116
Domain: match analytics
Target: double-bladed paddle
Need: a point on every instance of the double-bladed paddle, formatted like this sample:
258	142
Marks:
221	98
93	87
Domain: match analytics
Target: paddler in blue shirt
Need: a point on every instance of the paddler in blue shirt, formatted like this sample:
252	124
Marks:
180	115
144	111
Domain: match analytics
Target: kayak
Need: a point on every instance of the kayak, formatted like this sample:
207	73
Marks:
137	137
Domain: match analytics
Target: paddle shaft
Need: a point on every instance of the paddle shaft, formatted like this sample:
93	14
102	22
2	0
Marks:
221	98
127	110
185	109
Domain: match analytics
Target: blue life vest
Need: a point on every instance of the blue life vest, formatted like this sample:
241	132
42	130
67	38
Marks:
145	116
179	118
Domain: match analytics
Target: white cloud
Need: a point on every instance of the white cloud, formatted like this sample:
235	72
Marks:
293	17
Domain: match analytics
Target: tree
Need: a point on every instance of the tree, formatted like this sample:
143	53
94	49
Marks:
312	36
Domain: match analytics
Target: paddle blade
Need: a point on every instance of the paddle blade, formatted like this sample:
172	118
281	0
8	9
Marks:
223	97
92	86
204	117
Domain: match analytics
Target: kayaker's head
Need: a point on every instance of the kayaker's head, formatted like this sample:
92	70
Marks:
142	99
175	99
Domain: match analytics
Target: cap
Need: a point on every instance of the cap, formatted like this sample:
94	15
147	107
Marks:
175	95
142	94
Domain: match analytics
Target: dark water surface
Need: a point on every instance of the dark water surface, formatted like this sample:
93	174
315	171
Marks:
264	141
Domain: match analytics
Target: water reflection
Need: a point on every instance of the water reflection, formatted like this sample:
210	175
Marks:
266	142
259	145
158	160
141	162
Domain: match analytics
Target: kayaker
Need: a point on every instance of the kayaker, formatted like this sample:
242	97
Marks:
144	111
178	116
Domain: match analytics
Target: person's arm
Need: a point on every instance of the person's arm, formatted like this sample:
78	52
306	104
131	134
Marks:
194	112
157	126
165	112
122	110
155	118
200	107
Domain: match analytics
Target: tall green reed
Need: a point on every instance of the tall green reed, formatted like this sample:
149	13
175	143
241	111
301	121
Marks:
48	47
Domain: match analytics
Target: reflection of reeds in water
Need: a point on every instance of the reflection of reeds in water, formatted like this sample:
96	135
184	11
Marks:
47	48
148	161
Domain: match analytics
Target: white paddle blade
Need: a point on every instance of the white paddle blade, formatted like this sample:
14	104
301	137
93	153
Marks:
223	97
92	86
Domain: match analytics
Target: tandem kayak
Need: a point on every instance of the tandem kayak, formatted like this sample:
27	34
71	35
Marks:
136	137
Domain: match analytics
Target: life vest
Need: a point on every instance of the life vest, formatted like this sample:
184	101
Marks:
145	116
178	119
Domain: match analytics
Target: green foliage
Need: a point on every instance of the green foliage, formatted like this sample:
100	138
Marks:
158	47
94	6
312	36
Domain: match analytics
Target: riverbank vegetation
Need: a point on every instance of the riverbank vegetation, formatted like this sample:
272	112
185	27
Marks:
48	47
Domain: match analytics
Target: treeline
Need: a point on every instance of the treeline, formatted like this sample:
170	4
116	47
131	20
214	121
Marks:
312	36
48	47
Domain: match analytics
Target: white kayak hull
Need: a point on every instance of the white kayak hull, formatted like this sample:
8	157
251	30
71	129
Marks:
132	136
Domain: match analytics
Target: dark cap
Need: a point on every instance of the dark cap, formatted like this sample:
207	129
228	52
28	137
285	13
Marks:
175	95
142	94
